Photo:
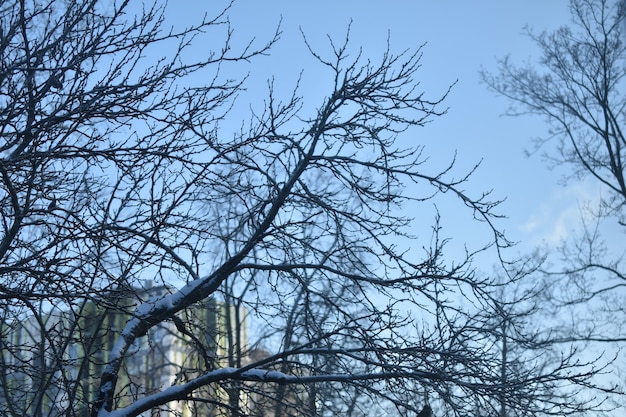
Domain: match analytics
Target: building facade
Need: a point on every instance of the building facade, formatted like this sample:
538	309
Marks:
50	363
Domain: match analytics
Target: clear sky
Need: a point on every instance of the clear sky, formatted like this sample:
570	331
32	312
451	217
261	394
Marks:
461	37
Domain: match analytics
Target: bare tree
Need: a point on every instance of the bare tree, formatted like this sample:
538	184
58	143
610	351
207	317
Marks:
128	215
578	86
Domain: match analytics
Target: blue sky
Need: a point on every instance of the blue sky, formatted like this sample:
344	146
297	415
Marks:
461	37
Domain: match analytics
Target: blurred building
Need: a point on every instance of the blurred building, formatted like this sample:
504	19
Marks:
51	363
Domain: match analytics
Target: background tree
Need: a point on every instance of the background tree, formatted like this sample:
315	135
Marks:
128	214
578	86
